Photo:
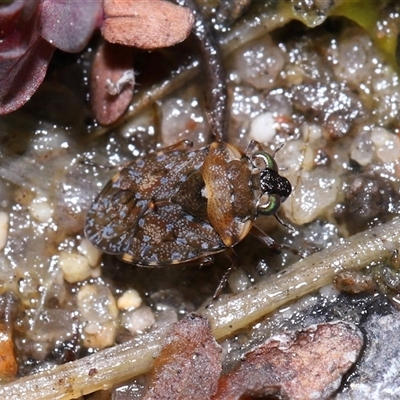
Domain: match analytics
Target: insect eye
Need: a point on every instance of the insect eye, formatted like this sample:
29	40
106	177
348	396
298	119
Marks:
262	160
268	204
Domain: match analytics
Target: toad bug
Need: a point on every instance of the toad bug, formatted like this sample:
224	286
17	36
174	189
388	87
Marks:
178	205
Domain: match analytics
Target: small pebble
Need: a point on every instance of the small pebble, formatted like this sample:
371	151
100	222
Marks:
99	336
4	220
98	312
75	267
238	281
317	190
92	254
263	127
260	63
41	210
311	132
96	303
362	150
129	300
138	320
166	317
387	145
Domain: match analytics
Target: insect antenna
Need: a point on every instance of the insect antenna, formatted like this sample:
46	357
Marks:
289	227
278	147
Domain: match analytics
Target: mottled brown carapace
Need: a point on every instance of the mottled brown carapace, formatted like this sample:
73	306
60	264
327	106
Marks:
178	205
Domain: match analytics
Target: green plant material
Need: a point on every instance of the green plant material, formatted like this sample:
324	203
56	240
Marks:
369	15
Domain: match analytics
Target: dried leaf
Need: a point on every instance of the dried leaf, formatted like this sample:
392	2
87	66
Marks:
8	363
302	365
146	24
112	82
189	364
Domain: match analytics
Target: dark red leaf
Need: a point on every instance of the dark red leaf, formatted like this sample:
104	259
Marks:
17	20
68	25
24	55
112	82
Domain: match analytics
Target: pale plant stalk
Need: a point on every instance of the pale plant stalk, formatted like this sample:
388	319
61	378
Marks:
112	366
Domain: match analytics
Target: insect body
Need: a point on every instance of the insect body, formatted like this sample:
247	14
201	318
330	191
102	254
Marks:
178	204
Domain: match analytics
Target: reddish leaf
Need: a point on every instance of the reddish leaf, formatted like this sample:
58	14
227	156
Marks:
8	362
24	55
68	25
146	24
189	365
302	365
16	23
112	82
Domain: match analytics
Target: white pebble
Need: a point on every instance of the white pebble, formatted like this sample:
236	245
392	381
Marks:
308	163
354	59
313	191
138	320
263	127
129	300
362	150
96	303
317	190
238	281
99	336
311	132
387	145
329	291
294	74
259	63
41	210
92	328
4	220
92	254
183	115
96	272
166	317
75	267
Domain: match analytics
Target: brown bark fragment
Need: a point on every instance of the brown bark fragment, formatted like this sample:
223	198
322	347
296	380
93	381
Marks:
8	363
189	364
301	365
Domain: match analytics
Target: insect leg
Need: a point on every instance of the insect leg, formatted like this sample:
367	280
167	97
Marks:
270	243
232	257
253	147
